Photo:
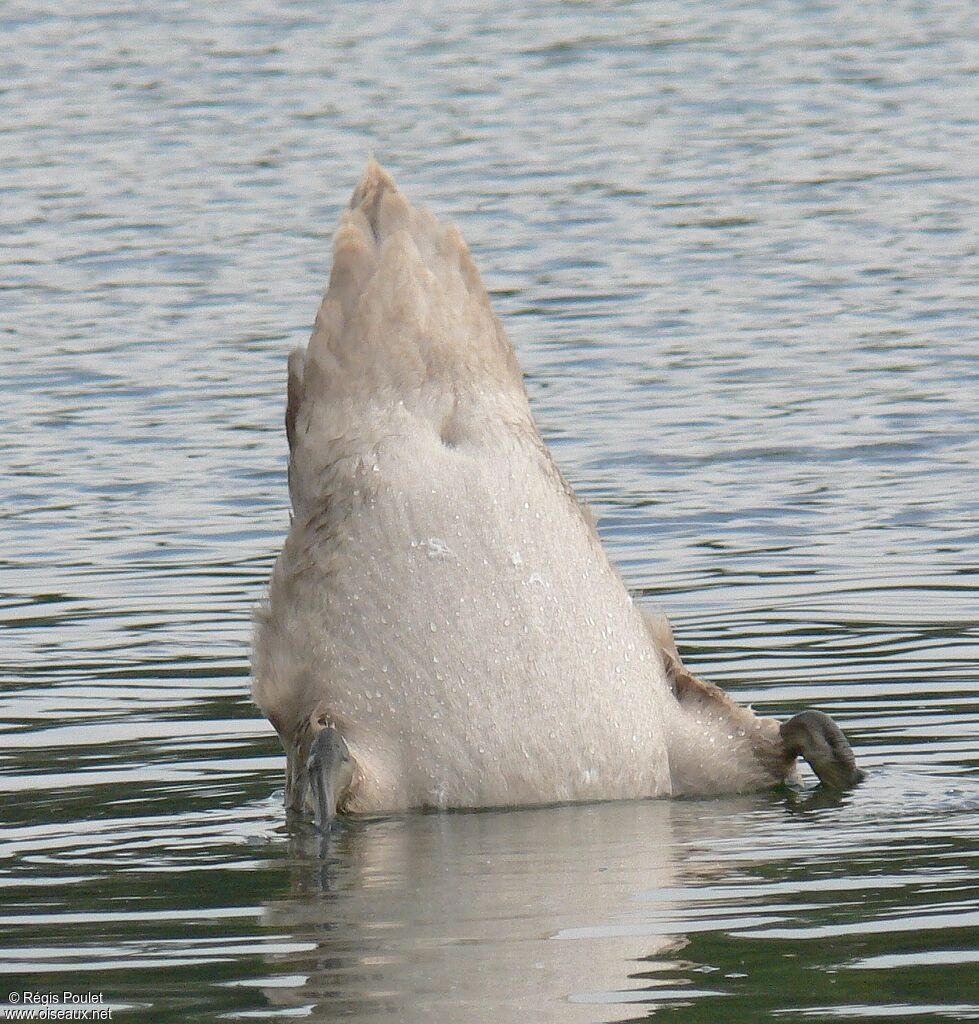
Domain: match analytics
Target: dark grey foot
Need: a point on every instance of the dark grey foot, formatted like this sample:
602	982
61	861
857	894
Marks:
818	739
329	769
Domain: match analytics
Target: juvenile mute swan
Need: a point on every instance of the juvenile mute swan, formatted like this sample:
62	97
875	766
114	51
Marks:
443	628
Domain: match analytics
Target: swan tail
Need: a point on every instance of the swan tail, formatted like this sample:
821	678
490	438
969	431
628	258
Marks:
405	346
405	306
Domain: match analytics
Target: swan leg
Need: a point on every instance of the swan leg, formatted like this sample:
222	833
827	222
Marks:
329	769
816	737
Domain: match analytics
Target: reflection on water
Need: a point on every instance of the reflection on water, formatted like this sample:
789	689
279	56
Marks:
608	912
862	906
735	246
457	913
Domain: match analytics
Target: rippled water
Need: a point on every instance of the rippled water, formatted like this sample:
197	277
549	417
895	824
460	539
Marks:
736	247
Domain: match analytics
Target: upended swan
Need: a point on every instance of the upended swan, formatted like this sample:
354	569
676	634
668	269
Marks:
443	628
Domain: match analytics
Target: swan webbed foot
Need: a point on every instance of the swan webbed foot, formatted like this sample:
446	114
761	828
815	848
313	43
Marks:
329	769
816	737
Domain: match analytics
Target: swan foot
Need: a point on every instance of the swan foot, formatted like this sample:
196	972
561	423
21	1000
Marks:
816	737
329	769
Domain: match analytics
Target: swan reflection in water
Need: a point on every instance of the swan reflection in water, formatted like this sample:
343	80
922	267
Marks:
521	915
443	628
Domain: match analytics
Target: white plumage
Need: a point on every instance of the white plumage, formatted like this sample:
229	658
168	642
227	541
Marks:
441	599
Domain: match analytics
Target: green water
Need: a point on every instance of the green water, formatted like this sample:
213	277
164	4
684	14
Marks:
735	246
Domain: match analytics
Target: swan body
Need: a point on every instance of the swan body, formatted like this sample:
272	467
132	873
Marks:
442	605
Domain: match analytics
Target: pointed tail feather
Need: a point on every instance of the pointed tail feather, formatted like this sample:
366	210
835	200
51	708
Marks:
405	330
405	305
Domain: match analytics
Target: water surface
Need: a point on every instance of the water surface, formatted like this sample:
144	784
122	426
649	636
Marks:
736	248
